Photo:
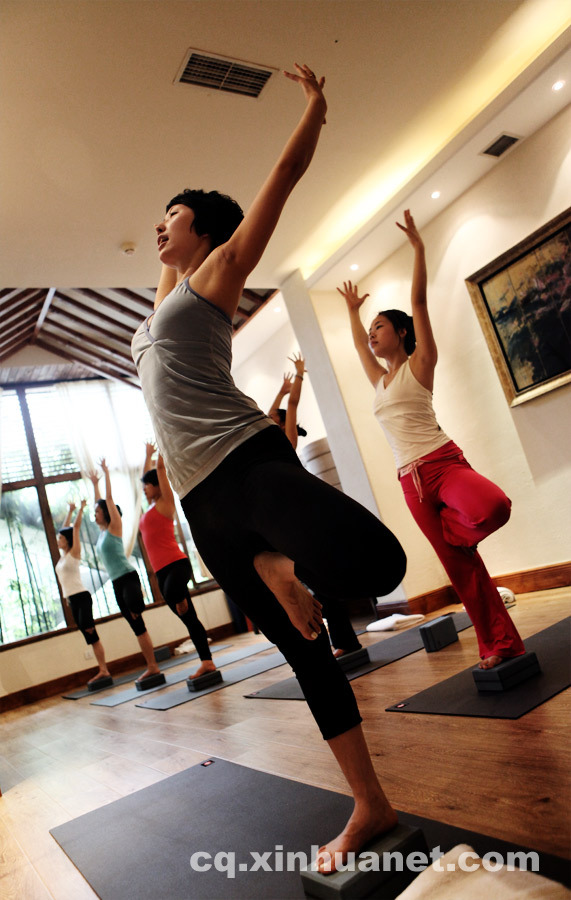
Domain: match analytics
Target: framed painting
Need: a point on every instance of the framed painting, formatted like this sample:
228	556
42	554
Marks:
523	303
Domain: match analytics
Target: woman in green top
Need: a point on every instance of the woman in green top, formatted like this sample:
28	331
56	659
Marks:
124	578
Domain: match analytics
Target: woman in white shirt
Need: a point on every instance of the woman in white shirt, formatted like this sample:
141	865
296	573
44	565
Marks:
73	589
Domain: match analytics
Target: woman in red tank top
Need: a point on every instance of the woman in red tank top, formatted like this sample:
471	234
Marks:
170	564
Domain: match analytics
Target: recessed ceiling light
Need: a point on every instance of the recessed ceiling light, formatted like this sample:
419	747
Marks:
435	195
278	309
557	86
354	267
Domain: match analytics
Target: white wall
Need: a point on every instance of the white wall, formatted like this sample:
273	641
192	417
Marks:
524	449
63	654
260	376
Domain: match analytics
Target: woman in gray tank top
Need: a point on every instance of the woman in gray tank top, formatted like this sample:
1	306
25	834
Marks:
261	522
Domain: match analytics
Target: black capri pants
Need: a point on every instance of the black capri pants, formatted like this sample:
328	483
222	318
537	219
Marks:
129	596
173	583
82	611
261	498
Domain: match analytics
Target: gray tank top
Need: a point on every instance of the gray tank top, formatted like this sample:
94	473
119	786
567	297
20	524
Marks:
183	358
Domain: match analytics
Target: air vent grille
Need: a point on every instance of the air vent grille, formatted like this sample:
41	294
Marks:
223	74
500	145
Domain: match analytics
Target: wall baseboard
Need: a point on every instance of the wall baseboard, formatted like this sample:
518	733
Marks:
77	680
528	581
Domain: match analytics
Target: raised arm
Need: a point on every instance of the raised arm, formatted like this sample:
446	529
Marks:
115	523
165	503
373	369
425	356
283	391
222	275
70	511
150	451
76	547
293	399
94	479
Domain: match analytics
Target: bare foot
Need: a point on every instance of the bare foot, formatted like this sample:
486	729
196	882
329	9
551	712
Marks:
206	666
490	662
303	610
152	670
368	821
103	673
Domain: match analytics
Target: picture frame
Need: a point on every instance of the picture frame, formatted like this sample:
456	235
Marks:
523	303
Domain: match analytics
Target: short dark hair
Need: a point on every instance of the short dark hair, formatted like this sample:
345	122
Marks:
102	504
400	320
215	214
151	477
282	413
67	533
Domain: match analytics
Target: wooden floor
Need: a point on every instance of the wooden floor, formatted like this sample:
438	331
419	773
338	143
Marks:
507	778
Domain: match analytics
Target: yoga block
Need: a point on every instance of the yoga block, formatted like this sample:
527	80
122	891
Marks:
350	661
438	633
359	882
101	683
507	674
162	653
150	681
204	681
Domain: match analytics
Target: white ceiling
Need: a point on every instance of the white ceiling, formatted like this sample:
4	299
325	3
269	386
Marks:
96	138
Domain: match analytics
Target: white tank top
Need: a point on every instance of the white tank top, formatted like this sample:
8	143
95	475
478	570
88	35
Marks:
404	412
67	570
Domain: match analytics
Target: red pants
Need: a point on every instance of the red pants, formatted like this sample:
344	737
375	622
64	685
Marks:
455	508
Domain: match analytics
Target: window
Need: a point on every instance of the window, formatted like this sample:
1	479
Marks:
45	430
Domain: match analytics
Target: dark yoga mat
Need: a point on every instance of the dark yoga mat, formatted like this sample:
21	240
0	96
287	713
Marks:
459	696
140	846
125	679
225	660
380	654
232	676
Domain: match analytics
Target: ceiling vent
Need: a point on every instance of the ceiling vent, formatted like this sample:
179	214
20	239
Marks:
500	145
221	73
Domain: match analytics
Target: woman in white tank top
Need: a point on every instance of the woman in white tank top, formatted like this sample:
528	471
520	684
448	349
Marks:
73	589
454	506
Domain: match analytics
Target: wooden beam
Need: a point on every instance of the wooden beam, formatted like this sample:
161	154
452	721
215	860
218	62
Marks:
87	339
101	373
79	347
44	312
94	312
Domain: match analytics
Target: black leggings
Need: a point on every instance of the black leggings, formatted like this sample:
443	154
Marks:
173	583
261	498
129	596
82	611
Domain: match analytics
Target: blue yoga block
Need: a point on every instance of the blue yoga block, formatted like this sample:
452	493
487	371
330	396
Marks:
162	653
438	633
101	683
204	681
350	661
378	872
507	674
150	681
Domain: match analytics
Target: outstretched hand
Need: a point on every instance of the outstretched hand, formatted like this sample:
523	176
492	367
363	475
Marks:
299	363
410	229
93	477
103	464
150	450
350	292
312	87
286	386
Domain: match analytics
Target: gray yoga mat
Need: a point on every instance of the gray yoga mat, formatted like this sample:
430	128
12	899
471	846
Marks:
170	699
176	678
459	696
380	654
141	845
178	660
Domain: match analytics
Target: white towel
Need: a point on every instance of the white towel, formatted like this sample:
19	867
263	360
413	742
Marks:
394	622
437	882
